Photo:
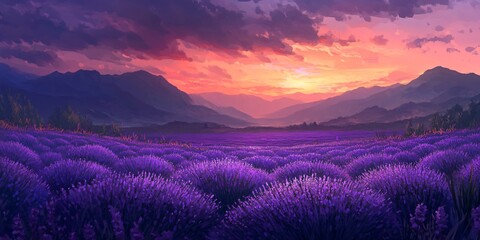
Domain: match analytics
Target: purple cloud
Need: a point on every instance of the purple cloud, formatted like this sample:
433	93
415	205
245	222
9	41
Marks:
329	39
146	29
439	28
379	40
472	50
37	57
452	50
379	8
420	42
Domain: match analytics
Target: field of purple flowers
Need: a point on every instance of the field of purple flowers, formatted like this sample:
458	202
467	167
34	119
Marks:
67	186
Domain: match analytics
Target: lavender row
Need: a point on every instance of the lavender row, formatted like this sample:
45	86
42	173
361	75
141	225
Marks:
67	186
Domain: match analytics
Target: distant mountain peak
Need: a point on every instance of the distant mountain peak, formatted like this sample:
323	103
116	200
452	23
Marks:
374	109
437	75
140	73
87	73
438	70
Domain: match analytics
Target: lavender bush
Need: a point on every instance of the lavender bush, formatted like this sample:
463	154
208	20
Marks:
301	168
50	158
310	208
174	158
66	174
367	163
148	164
424	149
107	188
94	153
21	190
21	154
263	162
407	187
446	162
145	205
228	181
406	157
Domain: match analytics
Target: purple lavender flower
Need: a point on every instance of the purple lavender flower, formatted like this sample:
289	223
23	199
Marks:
174	158
441	222
357	153
149	164
335	153
214	154
368	163
406	157
471	149
67	174
94	153
294	158
310	208
467	185
319	169
117	223
476	219
227	180
419	218
423	150
89	232
407	187
152	151
262	162
198	157
450	143
18	229
19	153
391	150
241	154
50	158
135	232
20	191
446	162
163	205
340	161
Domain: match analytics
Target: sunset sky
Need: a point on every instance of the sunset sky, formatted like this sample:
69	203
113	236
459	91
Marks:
261	47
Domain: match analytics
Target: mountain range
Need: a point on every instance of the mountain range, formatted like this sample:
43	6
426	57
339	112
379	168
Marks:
254	106
137	99
130	99
435	90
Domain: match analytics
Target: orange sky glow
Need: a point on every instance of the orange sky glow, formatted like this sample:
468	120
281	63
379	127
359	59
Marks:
355	53
336	68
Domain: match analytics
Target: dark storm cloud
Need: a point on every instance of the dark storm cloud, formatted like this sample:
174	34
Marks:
379	40
39	58
150	29
158	29
368	8
329	39
288	22
420	42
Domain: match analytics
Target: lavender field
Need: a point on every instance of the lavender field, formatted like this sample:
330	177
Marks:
68	186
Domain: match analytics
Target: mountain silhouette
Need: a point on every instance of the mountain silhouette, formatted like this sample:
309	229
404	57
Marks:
436	86
130	99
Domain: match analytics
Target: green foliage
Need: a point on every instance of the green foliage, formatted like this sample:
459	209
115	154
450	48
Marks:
68	119
17	109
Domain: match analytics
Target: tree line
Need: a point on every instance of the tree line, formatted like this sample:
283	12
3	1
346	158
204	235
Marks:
456	117
17	110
